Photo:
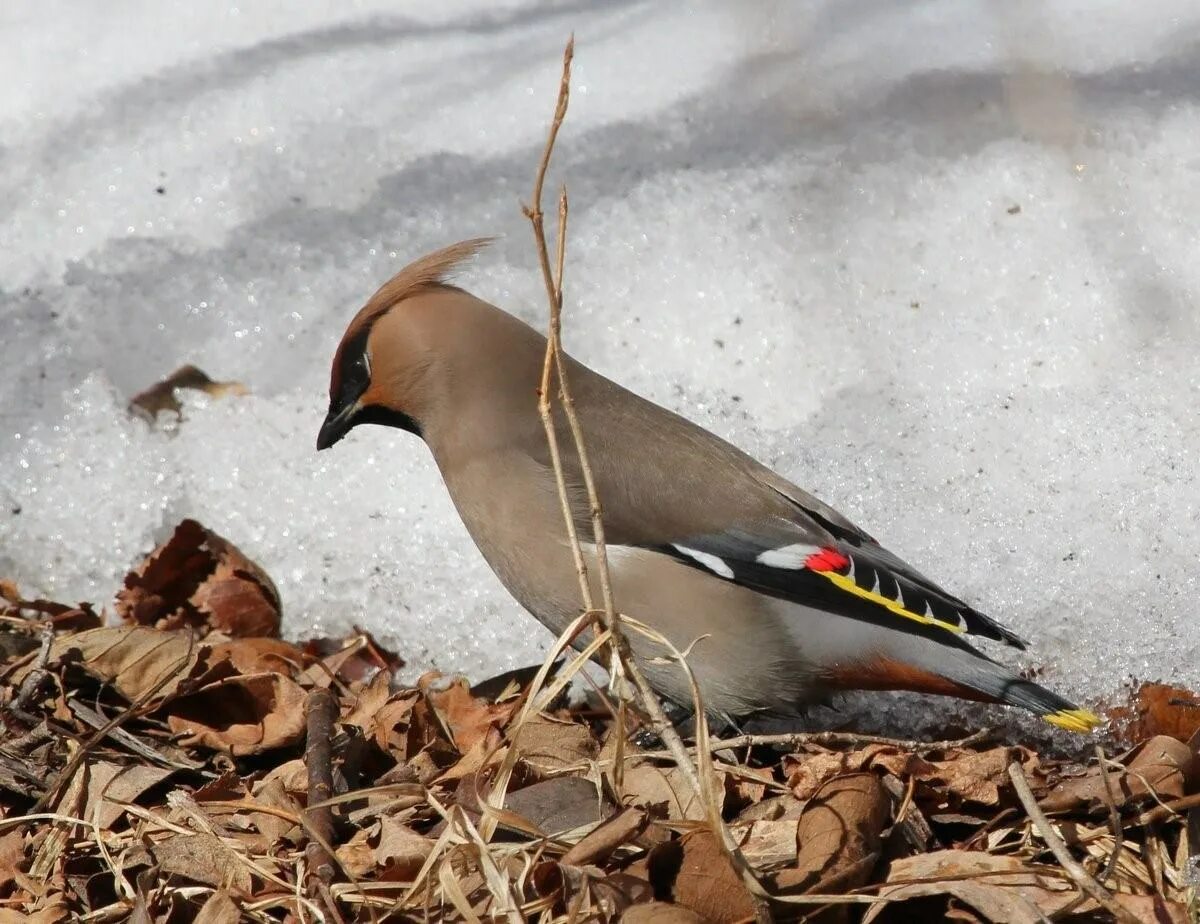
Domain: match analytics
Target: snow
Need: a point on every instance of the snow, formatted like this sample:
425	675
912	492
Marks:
935	261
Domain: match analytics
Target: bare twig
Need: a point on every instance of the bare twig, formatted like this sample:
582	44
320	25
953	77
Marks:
1074	869
37	676
840	739
1114	818
319	711
624	656
90	716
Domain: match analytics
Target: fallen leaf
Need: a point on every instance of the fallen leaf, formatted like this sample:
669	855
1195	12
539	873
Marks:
197	578
133	659
558	804
356	657
273	793
707	884
660	913
547	745
1001	889
666	790
242	714
259	655
110	784
203	858
394	725
357	856
400	851
12	856
839	835
602	841
219	909
161	397
1157	709
1154	908
466	717
1161	765
767	844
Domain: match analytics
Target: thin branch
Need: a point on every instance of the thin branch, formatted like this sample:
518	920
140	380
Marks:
319	712
840	739
1114	817
35	678
1074	869
624	657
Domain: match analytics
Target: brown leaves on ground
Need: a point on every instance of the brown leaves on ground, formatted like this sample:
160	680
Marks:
162	763
196	578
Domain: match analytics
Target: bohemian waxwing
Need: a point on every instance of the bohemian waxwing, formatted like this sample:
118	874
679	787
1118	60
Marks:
795	600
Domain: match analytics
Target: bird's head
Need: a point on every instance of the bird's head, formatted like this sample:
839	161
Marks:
379	373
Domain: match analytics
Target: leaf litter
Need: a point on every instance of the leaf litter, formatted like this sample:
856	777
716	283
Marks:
154	767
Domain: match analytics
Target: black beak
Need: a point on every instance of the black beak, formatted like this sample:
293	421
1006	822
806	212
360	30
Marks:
338	422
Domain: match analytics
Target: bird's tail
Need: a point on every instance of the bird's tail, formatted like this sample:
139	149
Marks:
1002	684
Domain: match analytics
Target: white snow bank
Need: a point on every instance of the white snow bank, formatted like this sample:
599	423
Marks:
935	261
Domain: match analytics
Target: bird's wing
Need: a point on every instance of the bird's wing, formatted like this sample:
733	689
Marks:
855	580
691	495
814	556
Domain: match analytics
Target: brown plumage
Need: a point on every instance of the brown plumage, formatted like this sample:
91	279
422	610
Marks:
793	598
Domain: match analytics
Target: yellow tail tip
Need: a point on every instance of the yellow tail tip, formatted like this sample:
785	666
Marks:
1076	720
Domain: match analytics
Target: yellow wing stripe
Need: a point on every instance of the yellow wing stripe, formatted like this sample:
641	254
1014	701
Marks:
848	585
1076	720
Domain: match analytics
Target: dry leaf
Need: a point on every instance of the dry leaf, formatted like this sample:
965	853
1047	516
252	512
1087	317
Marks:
707	884
203	858
259	655
1157	709
767	844
12	856
134	659
666	790
623	827
400	851
241	715
1163	764
357	856
354	658
161	397
273	793
110	784
660	913
197	578
547	745
1022	894
839	834
467	717
559	804
394	725
368	704
219	909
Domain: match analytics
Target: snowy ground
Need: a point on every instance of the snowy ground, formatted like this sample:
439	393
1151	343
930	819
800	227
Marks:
936	261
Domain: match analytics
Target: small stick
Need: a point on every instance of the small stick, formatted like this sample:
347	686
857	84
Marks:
35	678
319	712
624	657
1057	847
1114	818
1167	809
840	739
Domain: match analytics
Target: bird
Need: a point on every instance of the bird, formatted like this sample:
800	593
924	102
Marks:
779	600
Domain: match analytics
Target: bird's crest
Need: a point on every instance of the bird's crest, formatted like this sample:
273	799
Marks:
433	269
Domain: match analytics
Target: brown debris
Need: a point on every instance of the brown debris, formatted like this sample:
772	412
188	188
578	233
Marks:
197	578
204	791
161	397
